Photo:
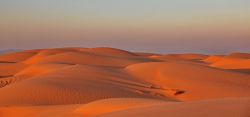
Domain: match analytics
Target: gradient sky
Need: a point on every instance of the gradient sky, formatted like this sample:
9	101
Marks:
165	26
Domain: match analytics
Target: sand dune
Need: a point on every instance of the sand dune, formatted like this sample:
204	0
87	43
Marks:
94	108
240	55
212	108
86	57
232	63
109	82
190	57
16	57
236	61
110	51
186	77
39	69
126	107
75	84
10	69
115	104
213	58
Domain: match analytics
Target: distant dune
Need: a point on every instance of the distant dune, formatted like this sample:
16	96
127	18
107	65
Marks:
109	82
9	51
235	61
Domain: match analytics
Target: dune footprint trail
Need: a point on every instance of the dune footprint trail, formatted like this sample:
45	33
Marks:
112	82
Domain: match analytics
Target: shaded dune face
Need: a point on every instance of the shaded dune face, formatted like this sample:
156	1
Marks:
62	82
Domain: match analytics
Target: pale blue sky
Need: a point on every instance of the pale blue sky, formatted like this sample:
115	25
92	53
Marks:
203	26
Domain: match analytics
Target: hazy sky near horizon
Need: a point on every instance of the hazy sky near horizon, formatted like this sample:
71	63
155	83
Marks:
166	26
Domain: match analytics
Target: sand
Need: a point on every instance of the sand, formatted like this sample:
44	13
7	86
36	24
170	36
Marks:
109	82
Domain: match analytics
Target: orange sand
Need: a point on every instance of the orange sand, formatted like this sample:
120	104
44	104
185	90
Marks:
108	82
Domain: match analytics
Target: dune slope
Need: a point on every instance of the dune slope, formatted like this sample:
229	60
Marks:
109	82
194	80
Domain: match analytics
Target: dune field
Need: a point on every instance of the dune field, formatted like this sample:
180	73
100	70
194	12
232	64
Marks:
109	82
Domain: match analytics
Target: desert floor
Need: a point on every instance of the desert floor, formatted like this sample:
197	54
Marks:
109	82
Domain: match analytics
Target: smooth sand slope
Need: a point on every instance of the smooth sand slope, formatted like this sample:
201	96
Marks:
212	108
194	81
236	62
109	82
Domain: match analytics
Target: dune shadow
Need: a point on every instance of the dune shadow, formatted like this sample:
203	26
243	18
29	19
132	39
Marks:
7	62
179	92
6	76
245	71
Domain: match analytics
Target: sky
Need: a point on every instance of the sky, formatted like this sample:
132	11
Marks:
162	26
